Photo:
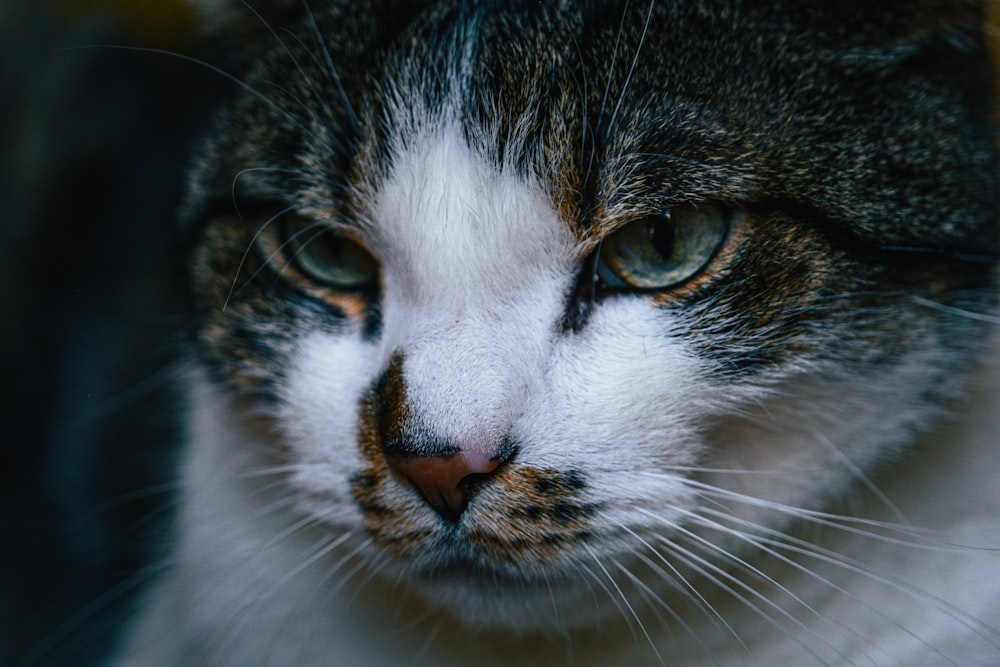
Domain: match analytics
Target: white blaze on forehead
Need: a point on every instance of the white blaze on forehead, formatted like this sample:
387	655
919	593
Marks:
477	263
446	215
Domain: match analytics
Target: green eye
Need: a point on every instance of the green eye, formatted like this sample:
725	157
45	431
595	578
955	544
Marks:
663	250
328	257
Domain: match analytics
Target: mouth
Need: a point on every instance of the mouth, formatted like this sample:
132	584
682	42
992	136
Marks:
459	561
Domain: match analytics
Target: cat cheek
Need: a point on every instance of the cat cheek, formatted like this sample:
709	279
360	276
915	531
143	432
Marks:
318	414
624	397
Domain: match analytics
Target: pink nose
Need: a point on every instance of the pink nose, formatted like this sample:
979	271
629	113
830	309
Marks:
445	481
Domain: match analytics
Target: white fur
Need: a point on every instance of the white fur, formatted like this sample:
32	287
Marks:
273	566
258	599
476	267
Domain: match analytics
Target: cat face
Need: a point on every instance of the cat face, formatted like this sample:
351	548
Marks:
536	299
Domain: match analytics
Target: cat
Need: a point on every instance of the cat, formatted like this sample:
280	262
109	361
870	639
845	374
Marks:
590	333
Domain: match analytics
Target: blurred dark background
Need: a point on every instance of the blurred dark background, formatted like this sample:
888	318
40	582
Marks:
94	140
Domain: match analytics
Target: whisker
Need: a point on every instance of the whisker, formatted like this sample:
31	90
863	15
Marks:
952	310
321	586
329	543
593	593
346	577
282	469
314	225
654	603
706	569
632	67
759	543
624	599
165	376
693	593
591	575
601	126
291	56
854	566
290	530
281	503
314	552
126	498
331	68
234	185
246	253
614	59
91	610
761	576
743	564
865	480
845	523
284	113
429	638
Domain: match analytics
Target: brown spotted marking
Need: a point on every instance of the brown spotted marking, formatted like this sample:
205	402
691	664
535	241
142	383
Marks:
543	513
520	515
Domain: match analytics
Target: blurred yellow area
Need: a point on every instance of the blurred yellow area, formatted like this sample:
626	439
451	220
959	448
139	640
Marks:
148	22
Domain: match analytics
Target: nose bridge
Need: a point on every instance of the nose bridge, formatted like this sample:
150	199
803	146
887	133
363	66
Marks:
468	377
443	472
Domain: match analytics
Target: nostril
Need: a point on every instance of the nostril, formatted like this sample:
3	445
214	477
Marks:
446	481
471	481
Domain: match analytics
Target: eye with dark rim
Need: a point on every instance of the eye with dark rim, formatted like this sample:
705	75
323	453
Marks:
326	256
662	250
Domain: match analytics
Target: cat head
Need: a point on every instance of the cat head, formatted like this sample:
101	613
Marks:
532	292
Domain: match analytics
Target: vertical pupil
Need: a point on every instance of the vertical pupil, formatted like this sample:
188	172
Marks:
662	234
332	249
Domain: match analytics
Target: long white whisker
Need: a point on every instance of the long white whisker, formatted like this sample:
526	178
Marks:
124	398
716	575
282	469
315	551
808	549
346	577
759	574
320	552
624	599
291	56
291	530
246	253
284	113
960	312
285	243
601	127
331	68
760	544
274	507
655	603
693	592
859	474
632	67
843	523
747	567
90	610
129	497
614	59
611	596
